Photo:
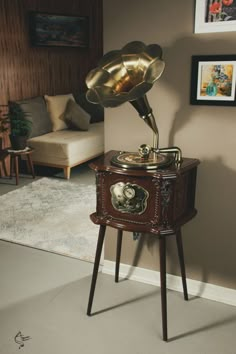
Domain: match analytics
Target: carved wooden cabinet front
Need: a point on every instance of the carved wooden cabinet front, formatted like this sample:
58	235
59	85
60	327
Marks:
159	201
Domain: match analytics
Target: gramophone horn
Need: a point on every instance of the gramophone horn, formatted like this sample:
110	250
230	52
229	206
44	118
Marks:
125	76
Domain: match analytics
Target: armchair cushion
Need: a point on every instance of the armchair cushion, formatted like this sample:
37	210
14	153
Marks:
56	106
36	110
75	117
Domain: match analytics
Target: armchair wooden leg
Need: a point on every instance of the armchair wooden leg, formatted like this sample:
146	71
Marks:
67	172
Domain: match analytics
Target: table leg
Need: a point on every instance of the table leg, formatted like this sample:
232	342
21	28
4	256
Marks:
14	164
11	166
118	253
101	236
16	167
162	251
31	166
181	262
4	167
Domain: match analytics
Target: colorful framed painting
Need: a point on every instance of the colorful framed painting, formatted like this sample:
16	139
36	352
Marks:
58	30
215	16
213	80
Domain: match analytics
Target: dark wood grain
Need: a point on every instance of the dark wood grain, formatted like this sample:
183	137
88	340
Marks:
28	71
171	201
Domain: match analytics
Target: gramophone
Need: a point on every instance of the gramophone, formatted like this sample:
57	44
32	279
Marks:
126	75
146	201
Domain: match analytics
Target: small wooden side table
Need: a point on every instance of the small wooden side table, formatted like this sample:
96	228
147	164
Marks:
14	161
158	202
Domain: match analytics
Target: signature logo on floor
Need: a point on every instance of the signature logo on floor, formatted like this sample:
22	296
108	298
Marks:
20	339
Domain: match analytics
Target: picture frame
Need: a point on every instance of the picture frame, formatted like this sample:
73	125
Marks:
51	30
215	16
213	80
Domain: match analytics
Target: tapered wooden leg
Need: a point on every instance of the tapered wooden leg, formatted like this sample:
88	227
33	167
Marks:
4	167
30	164
101	236
118	253
162	250
11	166
16	168
181	262
66	172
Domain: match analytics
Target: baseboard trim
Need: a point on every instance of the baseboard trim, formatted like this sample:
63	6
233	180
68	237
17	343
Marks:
195	287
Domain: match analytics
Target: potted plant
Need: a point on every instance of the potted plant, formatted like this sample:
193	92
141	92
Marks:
20	126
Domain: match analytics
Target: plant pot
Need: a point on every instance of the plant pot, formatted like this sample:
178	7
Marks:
18	142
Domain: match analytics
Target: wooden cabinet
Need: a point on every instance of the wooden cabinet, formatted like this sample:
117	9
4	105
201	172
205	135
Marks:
158	201
152	201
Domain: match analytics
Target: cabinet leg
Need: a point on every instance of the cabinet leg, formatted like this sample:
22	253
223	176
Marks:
162	251
118	253
101	236
181	262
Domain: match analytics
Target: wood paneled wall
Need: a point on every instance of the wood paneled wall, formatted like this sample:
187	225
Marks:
27	71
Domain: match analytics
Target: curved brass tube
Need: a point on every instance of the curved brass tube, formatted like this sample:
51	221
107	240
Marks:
173	149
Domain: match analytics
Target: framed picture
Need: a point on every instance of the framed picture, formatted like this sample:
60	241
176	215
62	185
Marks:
215	16
59	30
213	80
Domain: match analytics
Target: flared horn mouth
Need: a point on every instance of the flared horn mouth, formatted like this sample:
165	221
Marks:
125	75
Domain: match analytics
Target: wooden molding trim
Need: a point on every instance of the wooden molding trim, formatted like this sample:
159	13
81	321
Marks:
195	287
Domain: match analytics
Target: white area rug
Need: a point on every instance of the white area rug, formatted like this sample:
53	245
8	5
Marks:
52	215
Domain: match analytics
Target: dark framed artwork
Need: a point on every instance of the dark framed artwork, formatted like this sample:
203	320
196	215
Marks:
213	80
215	16
59	30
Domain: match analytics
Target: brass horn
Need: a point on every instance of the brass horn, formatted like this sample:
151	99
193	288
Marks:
126	75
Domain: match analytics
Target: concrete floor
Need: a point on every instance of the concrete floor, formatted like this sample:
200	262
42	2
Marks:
44	298
43	301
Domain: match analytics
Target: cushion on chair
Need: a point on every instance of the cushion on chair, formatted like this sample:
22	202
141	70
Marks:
56	106
75	117
68	147
36	110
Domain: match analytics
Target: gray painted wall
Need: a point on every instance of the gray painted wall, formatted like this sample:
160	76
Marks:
204	132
